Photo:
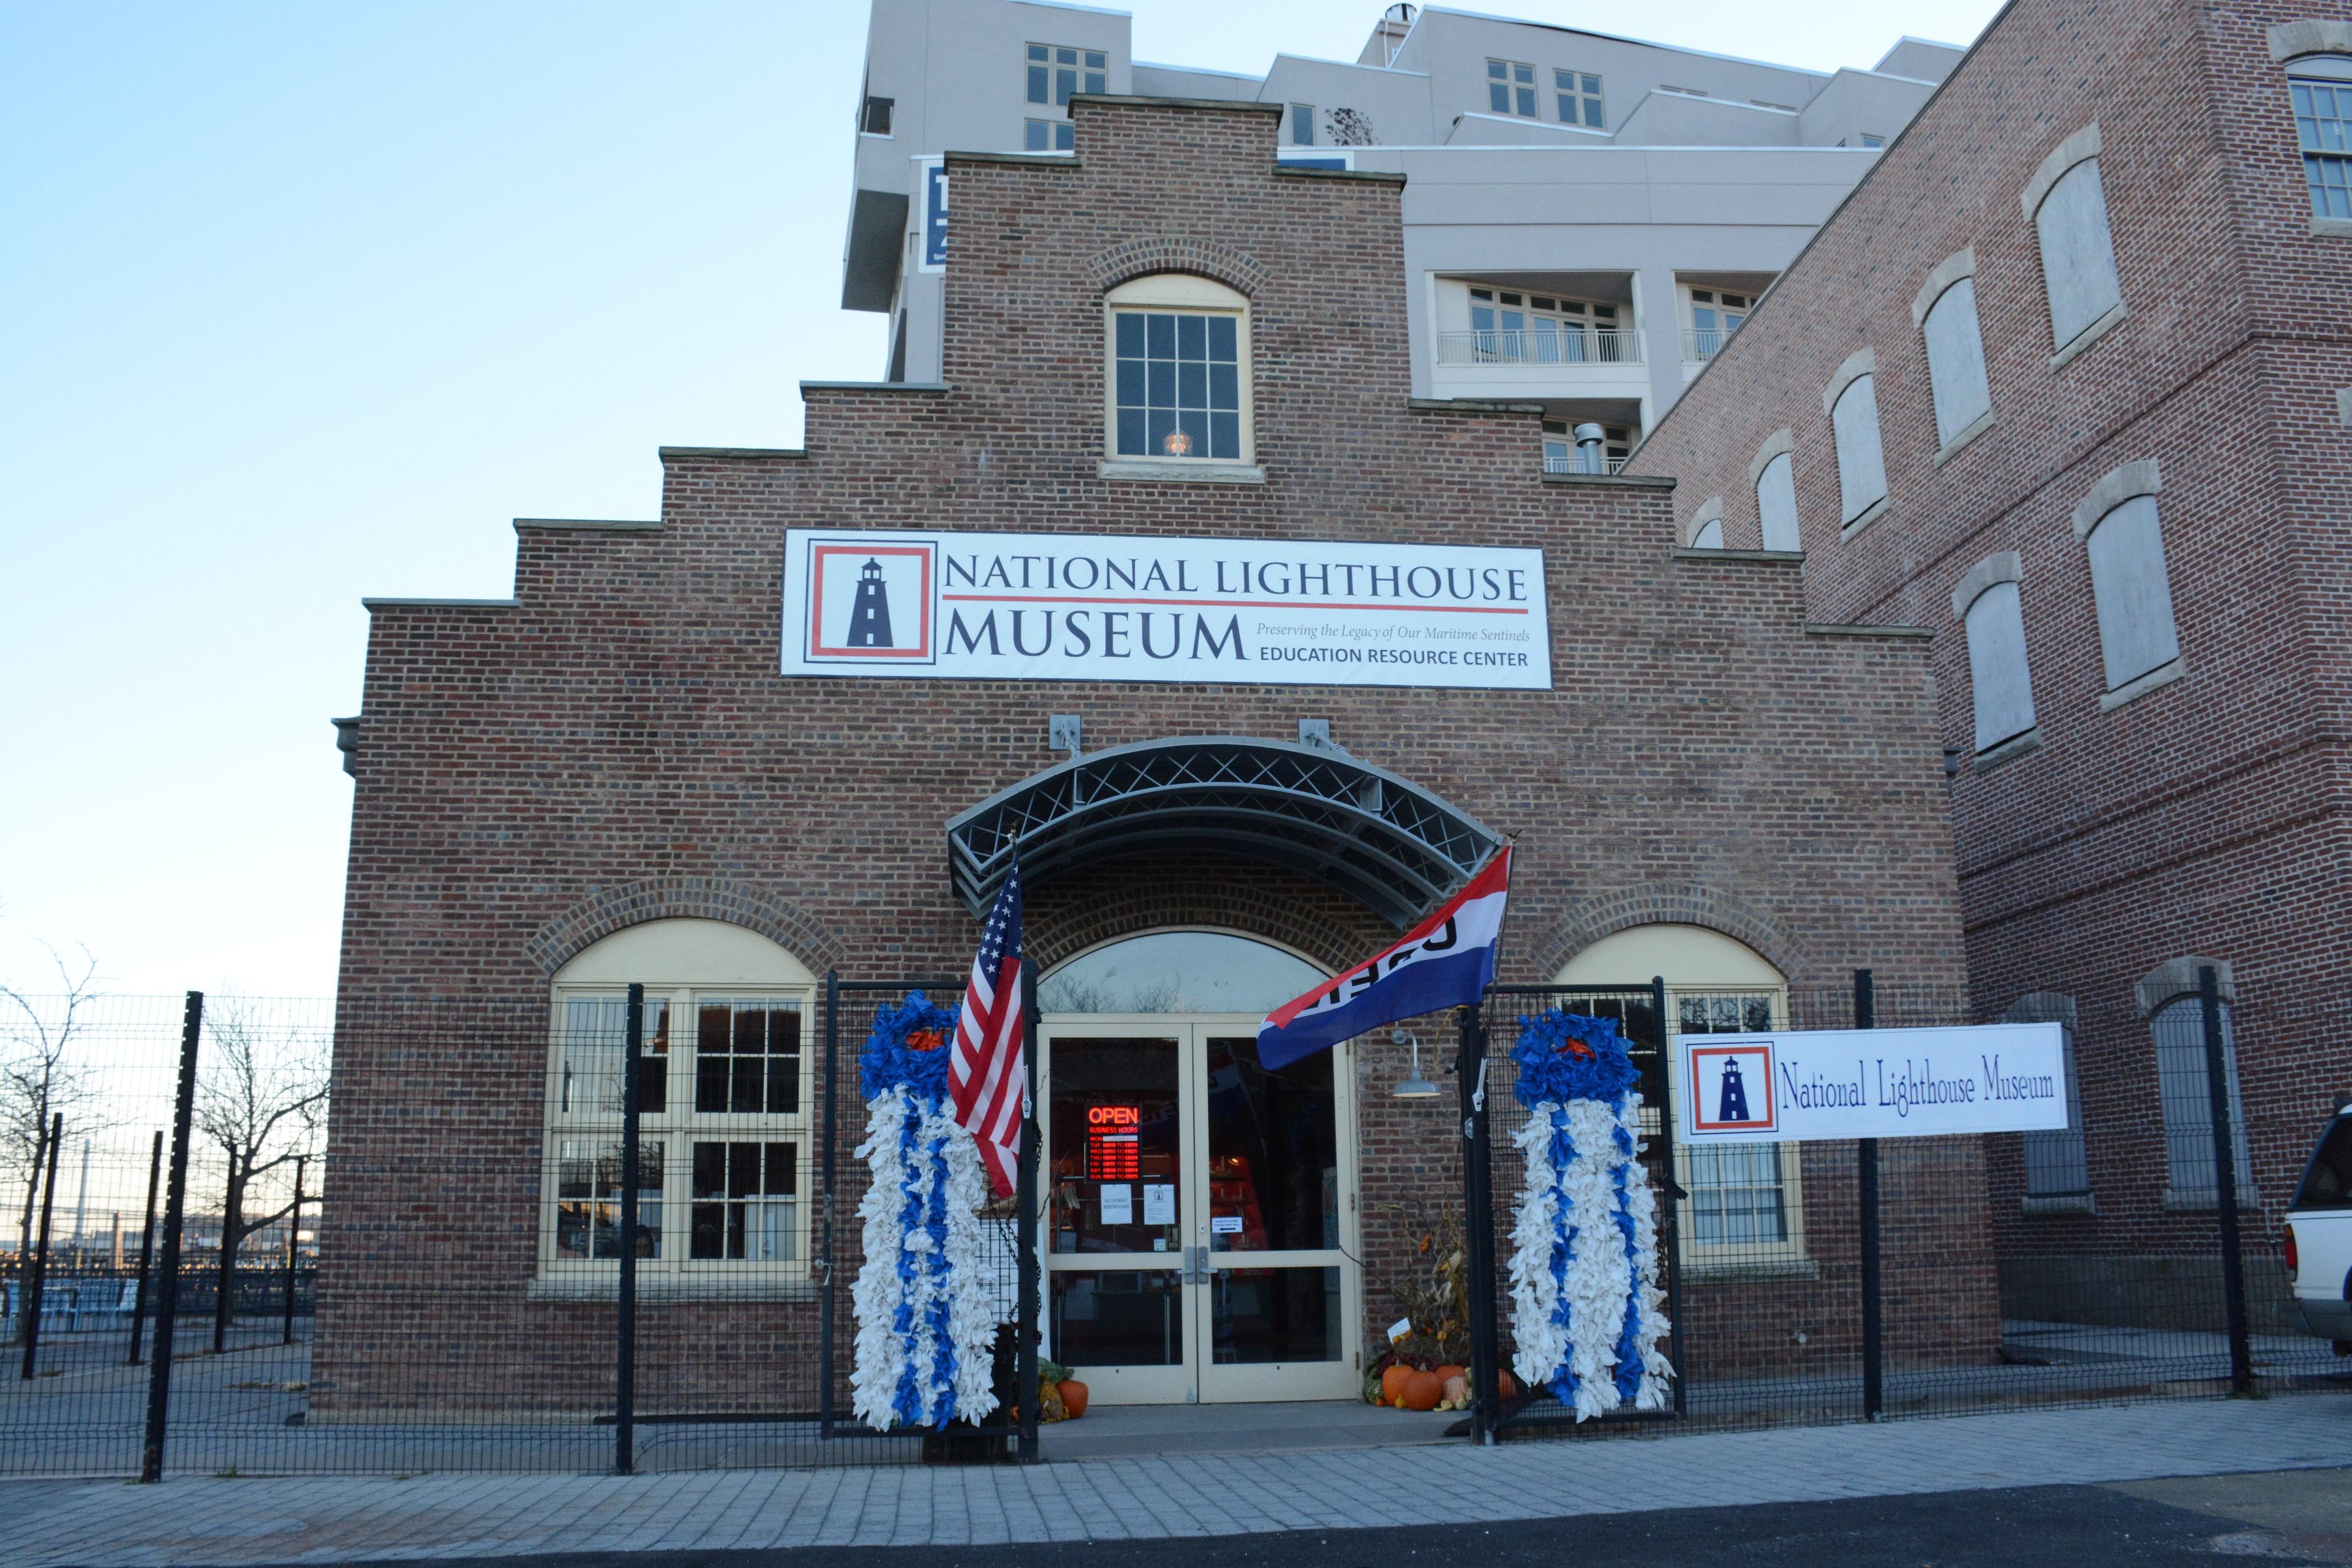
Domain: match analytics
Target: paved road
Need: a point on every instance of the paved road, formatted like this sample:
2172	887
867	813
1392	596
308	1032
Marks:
2297	1516
1415	1494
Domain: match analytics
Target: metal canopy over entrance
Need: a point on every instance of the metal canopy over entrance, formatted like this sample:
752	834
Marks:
1375	837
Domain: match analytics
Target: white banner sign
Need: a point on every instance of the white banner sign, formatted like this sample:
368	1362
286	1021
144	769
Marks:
1870	1083
1044	607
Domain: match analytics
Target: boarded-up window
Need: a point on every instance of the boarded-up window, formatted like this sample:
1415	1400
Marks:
2078	255
1956	367
1776	505
2133	591
1861	470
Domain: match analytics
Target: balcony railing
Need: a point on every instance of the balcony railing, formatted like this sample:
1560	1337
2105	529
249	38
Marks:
1569	346
1566	463
1701	344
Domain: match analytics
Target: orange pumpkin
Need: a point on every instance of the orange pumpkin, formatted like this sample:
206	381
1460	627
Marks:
1504	1384
1393	1383
1423	1389
1074	1397
1450	1370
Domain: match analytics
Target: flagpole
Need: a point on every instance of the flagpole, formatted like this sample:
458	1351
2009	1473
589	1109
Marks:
1025	1208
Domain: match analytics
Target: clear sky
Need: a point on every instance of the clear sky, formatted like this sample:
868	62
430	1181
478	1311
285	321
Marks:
302	303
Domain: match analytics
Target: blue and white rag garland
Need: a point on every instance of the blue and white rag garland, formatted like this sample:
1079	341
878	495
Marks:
1586	1310
926	1318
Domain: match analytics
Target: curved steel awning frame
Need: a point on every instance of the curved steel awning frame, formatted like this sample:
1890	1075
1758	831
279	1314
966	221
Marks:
1381	839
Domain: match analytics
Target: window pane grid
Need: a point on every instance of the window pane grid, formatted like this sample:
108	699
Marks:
1056	73
1580	98
1177	385
2323	127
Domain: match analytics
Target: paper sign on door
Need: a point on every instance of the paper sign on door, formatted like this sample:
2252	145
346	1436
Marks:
1118	1203
1160	1203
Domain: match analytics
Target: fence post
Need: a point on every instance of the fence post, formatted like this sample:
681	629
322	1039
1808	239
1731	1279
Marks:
38	1273
2225	1181
1024	1206
1478	1226
624	1389
824	1211
175	1204
1671	1231
1874	1345
146	1250
293	1238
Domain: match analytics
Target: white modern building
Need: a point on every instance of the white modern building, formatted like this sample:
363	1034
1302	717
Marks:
1586	217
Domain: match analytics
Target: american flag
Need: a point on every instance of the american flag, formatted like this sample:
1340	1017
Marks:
988	1076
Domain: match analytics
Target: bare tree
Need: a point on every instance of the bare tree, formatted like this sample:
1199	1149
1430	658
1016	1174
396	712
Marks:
39	1079
261	1097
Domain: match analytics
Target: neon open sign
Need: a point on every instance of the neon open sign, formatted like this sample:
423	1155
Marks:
1113	1148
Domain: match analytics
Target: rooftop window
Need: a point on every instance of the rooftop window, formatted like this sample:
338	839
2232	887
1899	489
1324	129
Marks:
1511	88
1056	72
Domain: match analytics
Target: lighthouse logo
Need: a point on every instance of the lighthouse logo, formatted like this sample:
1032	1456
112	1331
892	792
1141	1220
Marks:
869	600
1731	1088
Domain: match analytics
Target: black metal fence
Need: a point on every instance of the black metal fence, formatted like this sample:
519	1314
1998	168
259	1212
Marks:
193	1286
1864	1281
615	1231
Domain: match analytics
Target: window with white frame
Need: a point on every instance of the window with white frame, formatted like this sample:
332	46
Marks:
1559	454
1049	135
1853	421
2320	89
2185	1088
1302	125
1714	315
1776	504
1058	72
1511	88
2069	209
1508	326
1956	364
1179	353
2130	583
1580	99
2056	1163
725	1141
1745	1203
1988	605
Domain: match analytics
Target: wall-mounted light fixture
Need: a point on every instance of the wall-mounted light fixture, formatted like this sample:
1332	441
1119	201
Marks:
1416	1087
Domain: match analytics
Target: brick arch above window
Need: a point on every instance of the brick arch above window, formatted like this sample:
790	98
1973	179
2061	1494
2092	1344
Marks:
1779	443
1950	270
2128	482
1234	267
1691	903
2080	147
2177	977
623	904
1709	515
2311	36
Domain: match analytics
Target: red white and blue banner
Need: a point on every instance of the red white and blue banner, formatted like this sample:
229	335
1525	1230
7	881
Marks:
1446	961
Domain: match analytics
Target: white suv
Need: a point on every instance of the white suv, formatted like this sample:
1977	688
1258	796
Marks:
2319	1236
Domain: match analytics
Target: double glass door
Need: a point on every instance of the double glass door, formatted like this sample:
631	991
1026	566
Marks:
1201	1213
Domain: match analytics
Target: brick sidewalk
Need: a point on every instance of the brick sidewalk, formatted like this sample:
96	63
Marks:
316	1519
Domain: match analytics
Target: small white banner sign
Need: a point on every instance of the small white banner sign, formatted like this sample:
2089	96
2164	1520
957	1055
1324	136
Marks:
1870	1083
1044	606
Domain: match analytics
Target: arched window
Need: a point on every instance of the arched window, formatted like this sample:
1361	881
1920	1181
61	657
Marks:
1178	972
724	1114
2169	1000
2057	1169
2118	526
1851	404
1707	525
1776	493
1745	1212
1178	359
1986	603
2320	89
2068	205
1946	311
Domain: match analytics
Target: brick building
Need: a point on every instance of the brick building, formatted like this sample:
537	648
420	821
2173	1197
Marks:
2063	380
624	774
